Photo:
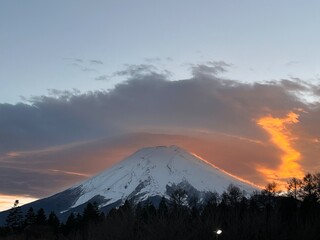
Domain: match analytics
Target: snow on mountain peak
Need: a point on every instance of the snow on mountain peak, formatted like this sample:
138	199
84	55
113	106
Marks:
150	171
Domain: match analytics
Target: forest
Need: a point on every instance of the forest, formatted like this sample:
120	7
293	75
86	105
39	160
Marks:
265	215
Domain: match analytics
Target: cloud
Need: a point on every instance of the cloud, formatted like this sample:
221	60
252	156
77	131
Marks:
74	60
84	68
43	172
153	60
294	85
136	70
292	63
102	78
81	60
281	137
209	68
145	100
95	61
87	69
83	133
83	64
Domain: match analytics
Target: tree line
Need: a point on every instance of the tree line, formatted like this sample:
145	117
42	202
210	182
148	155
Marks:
267	214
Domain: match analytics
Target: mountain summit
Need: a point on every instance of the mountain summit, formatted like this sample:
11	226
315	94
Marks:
149	173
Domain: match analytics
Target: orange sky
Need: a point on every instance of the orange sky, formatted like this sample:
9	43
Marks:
6	201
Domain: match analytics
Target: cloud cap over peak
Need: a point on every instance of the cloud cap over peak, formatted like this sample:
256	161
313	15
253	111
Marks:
203	109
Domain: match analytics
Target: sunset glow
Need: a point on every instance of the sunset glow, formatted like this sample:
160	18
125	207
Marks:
283	138
6	201
232	175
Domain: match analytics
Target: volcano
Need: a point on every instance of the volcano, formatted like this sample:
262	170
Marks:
147	175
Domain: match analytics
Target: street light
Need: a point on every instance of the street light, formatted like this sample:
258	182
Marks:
218	232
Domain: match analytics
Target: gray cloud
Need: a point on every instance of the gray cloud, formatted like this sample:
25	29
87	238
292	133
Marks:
136	70
294	85
102	78
84	65
88	69
147	99
209	68
36	183
80	60
299	85
149	102
95	61
143	71
75	60
84	68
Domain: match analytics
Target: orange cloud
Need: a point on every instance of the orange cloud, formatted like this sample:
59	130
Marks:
70	173
281	136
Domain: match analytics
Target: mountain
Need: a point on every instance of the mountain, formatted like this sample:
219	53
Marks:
148	174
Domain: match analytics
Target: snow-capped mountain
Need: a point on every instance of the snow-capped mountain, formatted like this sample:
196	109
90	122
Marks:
148	173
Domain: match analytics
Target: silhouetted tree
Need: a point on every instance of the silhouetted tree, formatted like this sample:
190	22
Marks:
271	189
163	208
30	217
41	218
178	198
233	196
147	212
309	187
91	213
71	224
53	221
316	178
14	220
265	215
293	187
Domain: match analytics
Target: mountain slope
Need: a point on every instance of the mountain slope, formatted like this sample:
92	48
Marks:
148	173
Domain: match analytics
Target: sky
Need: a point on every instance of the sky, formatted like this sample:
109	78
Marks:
85	84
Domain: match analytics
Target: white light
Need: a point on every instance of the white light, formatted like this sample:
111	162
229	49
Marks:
219	231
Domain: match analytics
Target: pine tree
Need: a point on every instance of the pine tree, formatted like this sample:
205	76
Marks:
41	218
163	208
14	220
91	213
53	221
30	217
71	221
